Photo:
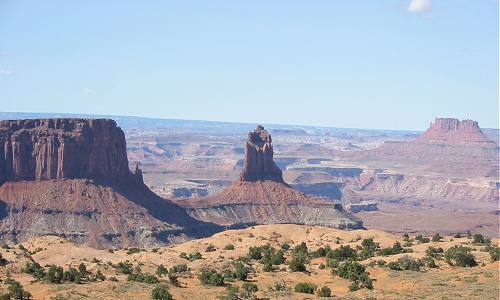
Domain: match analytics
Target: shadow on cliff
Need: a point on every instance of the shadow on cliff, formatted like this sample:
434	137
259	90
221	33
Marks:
158	207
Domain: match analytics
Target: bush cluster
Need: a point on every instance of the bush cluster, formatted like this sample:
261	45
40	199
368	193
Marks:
56	274
355	272
15	291
460	256
267	255
161	292
191	257
305	287
211	277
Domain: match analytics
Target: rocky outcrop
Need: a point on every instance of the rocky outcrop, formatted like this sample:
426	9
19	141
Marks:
70	177
258	163
44	149
260	196
449	146
451	131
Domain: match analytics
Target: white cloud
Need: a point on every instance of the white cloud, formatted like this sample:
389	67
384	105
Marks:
419	6
5	72
87	91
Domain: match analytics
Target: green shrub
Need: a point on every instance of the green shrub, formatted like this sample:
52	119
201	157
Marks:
480	239
229	247
82	269
300	250
241	272
15	290
285	247
54	274
434	252
305	287
100	276
355	272
191	257
343	253
460	256
133	250
494	252
124	267
324	292
72	275
232	293
211	277
395	249
144	278
437	238
422	239
3	261
406	263
173	279
297	264
255	252
161	270
368	248
34	268
179	268
210	248
280	287
112	278
161	292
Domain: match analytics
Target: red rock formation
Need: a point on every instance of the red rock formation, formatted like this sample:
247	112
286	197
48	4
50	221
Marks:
452	131
260	196
70	177
259	164
44	149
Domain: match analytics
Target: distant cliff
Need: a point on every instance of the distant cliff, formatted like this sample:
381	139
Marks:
42	149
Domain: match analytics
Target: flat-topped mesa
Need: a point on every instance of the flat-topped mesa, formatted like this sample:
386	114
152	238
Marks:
454	131
453	124
62	148
259	164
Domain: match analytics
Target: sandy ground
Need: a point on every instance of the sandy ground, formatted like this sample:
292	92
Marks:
446	282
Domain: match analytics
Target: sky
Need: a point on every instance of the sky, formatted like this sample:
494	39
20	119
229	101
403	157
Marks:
387	64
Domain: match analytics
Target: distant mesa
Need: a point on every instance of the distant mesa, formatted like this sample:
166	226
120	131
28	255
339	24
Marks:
260	196
452	131
70	178
460	145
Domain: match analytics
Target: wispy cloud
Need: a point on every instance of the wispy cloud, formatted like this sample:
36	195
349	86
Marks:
418	6
4	72
87	91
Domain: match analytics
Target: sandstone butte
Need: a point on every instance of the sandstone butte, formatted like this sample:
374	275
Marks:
260	196
462	145
70	178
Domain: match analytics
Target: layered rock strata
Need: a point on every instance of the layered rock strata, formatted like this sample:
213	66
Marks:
70	177
260	196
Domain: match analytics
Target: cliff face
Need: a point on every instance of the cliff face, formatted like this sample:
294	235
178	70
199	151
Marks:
70	177
61	149
259	164
260	196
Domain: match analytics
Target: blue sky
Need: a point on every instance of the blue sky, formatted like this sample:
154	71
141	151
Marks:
393	64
